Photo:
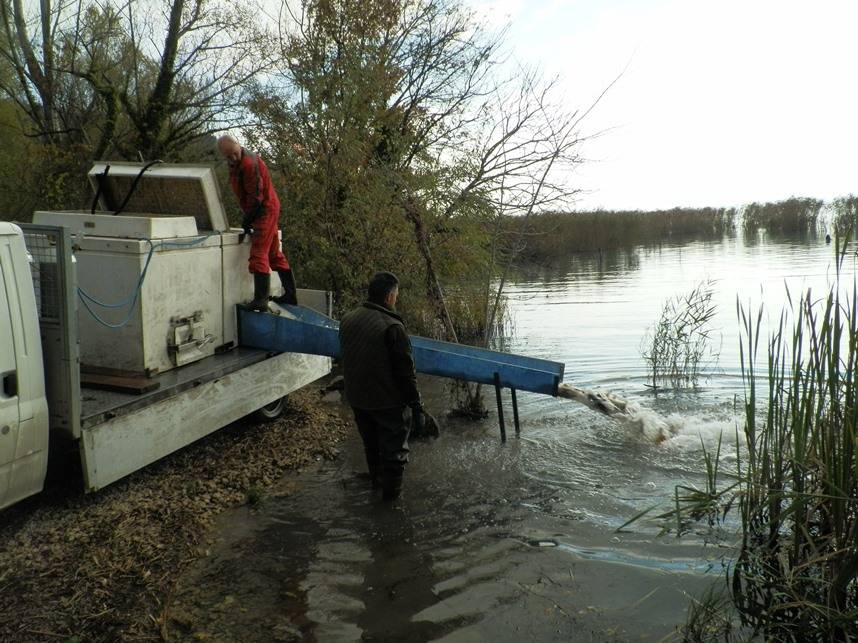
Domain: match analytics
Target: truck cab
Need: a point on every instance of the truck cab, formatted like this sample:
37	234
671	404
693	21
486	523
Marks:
23	405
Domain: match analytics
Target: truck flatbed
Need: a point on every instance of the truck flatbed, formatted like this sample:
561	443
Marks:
99	406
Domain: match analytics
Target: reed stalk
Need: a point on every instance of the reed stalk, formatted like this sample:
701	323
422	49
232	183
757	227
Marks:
677	348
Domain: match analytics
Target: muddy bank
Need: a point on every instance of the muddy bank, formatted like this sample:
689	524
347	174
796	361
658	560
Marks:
102	567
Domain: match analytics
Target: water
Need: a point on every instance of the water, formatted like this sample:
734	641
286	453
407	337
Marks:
593	314
519	541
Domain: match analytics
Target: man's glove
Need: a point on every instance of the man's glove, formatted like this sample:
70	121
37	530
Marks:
250	216
430	426
247	225
418	420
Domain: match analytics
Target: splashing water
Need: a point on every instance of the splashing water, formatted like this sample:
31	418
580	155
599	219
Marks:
649	423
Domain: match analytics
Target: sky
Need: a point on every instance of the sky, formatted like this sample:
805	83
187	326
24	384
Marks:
718	103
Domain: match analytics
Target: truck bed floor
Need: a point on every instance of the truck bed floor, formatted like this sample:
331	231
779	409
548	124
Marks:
98	406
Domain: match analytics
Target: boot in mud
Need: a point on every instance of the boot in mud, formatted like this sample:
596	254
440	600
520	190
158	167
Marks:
290	290
391	486
373	476
261	287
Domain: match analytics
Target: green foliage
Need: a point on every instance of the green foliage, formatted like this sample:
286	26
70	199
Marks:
348	134
36	175
845	214
677	347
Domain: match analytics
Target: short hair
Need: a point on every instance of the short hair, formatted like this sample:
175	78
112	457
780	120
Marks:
381	285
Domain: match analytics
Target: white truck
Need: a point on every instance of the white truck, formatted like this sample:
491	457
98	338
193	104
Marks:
118	329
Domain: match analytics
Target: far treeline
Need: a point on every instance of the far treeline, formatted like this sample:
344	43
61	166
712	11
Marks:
553	235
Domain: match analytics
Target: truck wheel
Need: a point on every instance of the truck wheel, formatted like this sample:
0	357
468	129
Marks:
272	411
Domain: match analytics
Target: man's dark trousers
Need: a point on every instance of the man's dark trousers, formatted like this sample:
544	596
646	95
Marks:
385	441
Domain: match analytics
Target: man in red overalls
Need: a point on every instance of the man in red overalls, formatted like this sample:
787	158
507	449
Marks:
251	183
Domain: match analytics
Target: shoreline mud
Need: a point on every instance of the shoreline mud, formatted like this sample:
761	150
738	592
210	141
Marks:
103	566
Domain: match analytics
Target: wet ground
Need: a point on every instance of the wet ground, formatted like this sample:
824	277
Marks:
475	550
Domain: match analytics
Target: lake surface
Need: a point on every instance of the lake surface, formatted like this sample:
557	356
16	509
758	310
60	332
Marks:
593	313
519	541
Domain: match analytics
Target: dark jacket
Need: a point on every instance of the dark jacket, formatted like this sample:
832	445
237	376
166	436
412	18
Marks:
378	370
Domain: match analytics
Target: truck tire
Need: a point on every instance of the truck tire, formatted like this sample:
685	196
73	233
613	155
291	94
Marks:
272	411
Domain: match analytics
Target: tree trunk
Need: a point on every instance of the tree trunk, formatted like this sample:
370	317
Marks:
433	286
150	134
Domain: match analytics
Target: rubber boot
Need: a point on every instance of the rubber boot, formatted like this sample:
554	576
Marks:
290	291
375	477
261	288
391	485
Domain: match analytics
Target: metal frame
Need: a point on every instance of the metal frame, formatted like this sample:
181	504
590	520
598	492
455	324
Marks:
60	347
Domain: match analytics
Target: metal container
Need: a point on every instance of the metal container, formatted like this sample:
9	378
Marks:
158	285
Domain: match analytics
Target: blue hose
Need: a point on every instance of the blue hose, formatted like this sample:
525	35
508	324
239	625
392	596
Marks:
131	300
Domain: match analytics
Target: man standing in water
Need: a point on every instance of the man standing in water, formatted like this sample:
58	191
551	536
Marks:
380	382
251	183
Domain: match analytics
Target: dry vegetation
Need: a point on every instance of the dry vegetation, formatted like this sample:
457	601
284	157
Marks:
556	234
101	567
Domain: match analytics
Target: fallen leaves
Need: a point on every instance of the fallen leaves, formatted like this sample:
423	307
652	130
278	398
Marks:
101	566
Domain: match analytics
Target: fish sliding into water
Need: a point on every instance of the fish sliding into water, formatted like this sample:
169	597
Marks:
650	424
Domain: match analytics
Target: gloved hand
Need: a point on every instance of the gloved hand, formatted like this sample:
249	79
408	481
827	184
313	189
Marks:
247	224
249	217
418	419
430	425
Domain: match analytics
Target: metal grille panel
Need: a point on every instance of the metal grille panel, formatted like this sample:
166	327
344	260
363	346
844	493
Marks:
42	248
55	286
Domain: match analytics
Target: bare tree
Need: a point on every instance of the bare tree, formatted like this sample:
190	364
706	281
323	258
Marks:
196	78
130	76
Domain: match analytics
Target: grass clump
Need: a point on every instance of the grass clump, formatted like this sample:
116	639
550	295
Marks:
677	348
795	575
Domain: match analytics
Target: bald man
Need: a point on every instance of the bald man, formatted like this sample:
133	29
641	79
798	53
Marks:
251	183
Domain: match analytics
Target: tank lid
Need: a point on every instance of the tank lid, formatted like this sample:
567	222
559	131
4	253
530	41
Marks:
163	189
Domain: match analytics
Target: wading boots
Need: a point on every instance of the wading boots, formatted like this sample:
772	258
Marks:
261	287
290	291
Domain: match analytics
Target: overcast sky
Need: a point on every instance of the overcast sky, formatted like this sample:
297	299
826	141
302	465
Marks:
721	102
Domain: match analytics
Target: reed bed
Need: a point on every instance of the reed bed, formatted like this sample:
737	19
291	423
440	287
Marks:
845	211
556	234
795	575
798	215
795	487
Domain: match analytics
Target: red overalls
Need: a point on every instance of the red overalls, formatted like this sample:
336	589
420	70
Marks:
251	183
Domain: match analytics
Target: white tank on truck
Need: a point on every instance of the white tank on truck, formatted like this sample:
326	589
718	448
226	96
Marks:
118	328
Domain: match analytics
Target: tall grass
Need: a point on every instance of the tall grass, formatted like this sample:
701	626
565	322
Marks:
556	234
795	575
795	490
677	348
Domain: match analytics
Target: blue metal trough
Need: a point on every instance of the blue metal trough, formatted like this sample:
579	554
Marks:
317	334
